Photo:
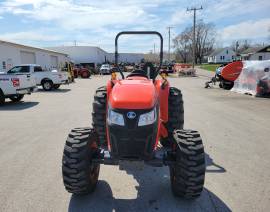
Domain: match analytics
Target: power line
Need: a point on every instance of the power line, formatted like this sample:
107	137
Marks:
194	9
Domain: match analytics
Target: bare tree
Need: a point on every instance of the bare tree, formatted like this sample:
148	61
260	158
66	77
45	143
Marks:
183	45
240	45
205	39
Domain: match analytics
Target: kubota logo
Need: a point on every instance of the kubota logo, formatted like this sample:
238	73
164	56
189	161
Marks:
131	115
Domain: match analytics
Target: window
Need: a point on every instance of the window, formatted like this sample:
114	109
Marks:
38	69
221	57
227	52
260	57
19	69
232	57
4	65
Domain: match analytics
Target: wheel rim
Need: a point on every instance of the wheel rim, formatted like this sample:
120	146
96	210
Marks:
47	85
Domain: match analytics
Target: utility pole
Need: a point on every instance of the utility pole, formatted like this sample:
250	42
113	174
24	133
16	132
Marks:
154	48
169	43
75	43
194	9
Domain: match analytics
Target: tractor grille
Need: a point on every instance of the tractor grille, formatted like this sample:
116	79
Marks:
132	142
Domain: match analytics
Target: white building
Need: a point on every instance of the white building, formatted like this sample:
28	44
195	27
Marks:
95	55
223	55
256	53
14	54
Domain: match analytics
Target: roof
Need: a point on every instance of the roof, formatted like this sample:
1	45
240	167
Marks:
217	51
61	48
31	47
253	50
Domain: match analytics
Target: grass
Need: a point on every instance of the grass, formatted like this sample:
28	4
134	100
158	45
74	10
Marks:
210	67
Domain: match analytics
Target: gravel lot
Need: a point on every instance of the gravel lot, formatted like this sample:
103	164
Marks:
234	127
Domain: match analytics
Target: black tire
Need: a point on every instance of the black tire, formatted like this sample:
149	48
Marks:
56	86
16	98
47	85
187	175
99	114
2	97
175	115
80	175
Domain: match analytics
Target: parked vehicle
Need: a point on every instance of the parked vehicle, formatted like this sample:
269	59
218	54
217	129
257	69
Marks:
16	83
47	79
80	71
105	69
68	68
130	116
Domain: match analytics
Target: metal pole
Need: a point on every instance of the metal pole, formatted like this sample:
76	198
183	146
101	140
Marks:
169	43
194	41
194	33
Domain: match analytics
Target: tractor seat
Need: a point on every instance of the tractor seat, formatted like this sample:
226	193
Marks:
138	73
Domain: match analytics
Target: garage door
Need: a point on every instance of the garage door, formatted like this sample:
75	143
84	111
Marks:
28	57
54	61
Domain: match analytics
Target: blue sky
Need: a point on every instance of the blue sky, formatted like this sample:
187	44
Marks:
96	22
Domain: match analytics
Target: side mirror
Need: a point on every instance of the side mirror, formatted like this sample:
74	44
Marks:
266	70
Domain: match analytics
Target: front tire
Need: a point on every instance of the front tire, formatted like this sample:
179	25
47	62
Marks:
16	98
99	114
2	97
80	175
188	173
47	85
175	115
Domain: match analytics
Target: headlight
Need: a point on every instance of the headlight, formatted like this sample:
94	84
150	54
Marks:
147	118
115	118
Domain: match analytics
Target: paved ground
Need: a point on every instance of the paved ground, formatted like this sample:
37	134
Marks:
235	129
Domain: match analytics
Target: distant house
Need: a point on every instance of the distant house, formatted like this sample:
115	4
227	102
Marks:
223	55
256	53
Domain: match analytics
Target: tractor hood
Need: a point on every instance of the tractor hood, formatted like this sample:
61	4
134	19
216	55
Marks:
133	94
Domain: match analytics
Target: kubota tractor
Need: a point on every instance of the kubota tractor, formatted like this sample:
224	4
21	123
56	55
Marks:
140	119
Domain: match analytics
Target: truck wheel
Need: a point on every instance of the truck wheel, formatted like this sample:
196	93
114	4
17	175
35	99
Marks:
80	175
56	86
16	98
2	97
99	114
47	85
187	175
175	115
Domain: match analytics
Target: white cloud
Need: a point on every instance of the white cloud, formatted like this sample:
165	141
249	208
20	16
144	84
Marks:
246	30
30	36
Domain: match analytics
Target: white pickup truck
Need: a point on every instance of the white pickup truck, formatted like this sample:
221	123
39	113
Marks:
16	84
47	79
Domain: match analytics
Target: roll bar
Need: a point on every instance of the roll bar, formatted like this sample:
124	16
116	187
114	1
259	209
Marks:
139	33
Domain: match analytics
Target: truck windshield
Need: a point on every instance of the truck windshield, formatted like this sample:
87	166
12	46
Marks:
19	69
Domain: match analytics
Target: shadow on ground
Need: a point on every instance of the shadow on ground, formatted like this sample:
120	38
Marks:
13	106
211	166
153	194
63	90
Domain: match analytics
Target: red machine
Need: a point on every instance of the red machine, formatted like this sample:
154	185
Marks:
82	72
230	73
136	119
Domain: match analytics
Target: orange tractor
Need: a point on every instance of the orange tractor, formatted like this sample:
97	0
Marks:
140	119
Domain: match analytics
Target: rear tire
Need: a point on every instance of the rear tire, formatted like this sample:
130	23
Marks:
175	115
2	97
16	98
187	175
80	175
99	114
47	85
